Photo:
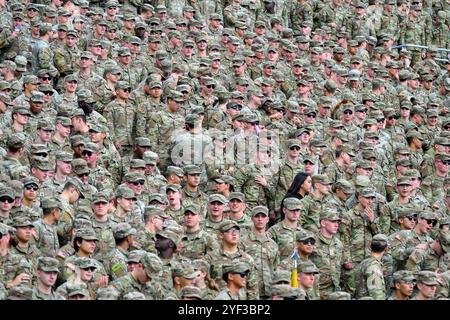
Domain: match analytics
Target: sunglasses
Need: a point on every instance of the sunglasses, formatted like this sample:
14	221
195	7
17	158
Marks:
239	108
412	218
111	30
392	117
46	78
41	154
308	241
446	162
404	108
380	120
126	90
294	148
17	19
83	175
429	221
91	269
48	93
311	115
112	8
348	112
139	182
242	274
362	111
87	153
32	187
72	82
211	86
6	199
32	9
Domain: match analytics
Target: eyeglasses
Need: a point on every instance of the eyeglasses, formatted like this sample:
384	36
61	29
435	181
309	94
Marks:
91	269
87	153
139	182
48	93
210	86
348	112
6	199
429	221
46	78
83	175
294	148
31	187
308	241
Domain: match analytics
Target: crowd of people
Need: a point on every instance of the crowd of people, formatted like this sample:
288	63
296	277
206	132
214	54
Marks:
224	149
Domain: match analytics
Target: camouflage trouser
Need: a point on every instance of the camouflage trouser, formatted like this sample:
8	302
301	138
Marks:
348	280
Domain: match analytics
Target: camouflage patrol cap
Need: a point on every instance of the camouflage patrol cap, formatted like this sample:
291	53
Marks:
281	276
100	197
292	204
20	292
404	181
85	95
92	147
155	211
125	192
47	264
135	176
122	52
85	262
37	96
41	163
122	230
171	235
185	271
86	234
236	195
191	170
159	197
15	140
74	289
217	198
135	256
427	277
108	293
239	267
79	166
307	267
367	193
227	225
175	170
426	214
193	208
134	295
152	264
137	164
284	291
191	292
64	156
321	178
260	209
443	141
22	221
304	235
403	275
381	239
442	157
